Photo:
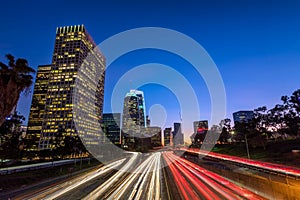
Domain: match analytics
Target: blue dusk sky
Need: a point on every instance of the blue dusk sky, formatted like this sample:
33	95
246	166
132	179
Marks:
254	44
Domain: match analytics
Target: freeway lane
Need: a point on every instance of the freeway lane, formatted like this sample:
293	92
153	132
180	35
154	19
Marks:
89	188
142	183
141	177
195	182
59	189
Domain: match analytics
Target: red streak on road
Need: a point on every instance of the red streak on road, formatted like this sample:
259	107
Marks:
258	164
207	183
185	188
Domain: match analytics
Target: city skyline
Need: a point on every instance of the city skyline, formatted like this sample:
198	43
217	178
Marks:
151	99
253	44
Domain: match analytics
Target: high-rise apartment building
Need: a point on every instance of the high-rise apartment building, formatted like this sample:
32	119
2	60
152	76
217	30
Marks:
73	45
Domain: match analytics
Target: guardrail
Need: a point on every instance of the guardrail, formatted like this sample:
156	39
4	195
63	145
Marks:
30	167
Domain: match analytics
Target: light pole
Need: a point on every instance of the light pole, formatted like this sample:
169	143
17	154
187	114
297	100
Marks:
80	159
247	146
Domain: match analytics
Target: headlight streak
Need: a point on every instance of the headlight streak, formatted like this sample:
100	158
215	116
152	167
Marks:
65	187
137	178
109	183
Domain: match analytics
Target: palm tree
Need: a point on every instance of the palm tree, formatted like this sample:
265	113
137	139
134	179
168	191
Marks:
14	79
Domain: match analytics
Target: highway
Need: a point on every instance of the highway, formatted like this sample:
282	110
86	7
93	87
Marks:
195	182
141	183
160	175
60	189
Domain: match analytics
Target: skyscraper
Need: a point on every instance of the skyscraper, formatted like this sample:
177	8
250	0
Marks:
178	137
134	111
167	136
134	115
73	45
111	126
37	109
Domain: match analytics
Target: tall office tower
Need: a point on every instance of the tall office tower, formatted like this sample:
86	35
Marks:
134	117
178	137
134	110
111	126
73	45
37	109
141	107
167	136
242	116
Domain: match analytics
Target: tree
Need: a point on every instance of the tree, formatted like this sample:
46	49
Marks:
14	78
241	130
285	117
11	141
292	115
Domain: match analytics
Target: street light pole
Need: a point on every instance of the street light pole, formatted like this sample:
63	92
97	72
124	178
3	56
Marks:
80	159
247	146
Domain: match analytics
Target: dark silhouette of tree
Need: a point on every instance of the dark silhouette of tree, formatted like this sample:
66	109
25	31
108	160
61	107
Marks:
11	141
14	78
295	100
66	145
241	129
292	112
285	117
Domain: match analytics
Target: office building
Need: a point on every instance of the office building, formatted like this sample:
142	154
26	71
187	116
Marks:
200	126
200	131
37	108
134	117
243	116
178	138
73	45
167	136
111	126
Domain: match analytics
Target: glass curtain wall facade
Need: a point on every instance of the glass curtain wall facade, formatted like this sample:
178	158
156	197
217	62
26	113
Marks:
111	127
134	117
